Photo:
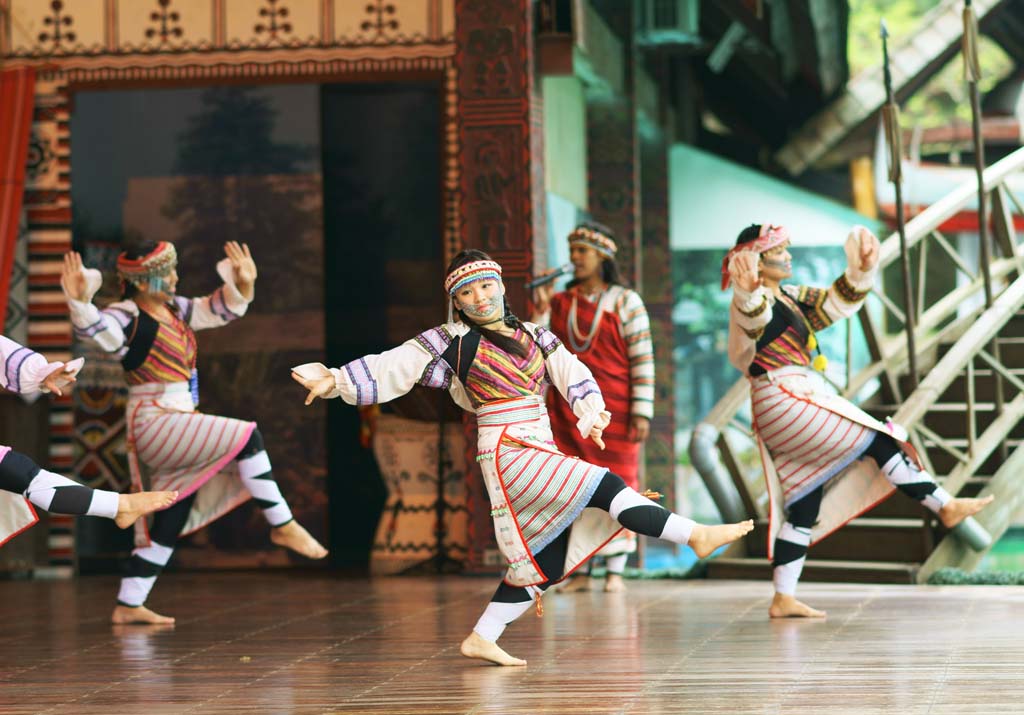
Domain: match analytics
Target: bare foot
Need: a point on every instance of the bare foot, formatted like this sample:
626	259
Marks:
959	509
575	584
705	539
132	506
476	647
784	606
613	583
138	614
295	537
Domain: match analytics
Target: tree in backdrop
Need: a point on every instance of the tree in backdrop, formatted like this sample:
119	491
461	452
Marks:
944	98
240	184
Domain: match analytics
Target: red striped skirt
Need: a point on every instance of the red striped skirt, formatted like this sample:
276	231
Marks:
808	443
546	490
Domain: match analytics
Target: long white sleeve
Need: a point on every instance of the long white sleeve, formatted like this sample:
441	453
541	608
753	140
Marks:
847	294
104	327
749	313
219	308
572	379
23	370
824	306
636	327
373	379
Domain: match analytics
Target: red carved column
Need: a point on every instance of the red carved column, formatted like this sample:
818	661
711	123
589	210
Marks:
500	174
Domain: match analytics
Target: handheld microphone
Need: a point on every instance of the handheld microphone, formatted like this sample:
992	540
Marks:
549	277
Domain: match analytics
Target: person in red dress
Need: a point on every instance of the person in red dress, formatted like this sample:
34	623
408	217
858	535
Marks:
605	325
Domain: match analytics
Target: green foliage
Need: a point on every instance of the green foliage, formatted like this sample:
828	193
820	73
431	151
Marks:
945	98
959	577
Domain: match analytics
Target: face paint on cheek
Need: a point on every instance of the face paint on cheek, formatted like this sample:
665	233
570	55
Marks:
160	285
773	263
494	308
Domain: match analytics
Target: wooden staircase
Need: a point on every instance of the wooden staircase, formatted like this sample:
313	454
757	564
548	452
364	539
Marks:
965	416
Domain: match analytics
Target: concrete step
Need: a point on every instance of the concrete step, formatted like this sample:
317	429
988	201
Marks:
817	570
863	539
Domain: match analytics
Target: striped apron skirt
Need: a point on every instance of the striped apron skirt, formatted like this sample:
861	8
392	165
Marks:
171	446
536	492
16	512
809	437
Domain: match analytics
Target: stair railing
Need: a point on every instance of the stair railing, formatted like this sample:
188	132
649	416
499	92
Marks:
941	318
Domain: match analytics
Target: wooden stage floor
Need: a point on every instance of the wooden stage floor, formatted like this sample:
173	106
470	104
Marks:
299	643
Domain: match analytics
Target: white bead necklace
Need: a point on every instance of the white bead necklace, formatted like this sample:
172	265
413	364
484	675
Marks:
581	343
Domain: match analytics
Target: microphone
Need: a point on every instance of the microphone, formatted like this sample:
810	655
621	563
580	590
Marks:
549	277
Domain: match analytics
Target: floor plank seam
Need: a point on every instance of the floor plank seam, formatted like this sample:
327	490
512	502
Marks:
677	665
950	657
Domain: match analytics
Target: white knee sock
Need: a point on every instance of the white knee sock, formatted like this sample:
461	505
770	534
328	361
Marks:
58	494
901	472
677	529
937	499
259	480
135	589
786	576
498	615
616	564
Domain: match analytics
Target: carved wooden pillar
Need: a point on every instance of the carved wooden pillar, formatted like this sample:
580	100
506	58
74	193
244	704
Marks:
613	153
613	175
500	175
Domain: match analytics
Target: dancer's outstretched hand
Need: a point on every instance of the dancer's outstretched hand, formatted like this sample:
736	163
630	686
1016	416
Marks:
58	378
318	387
869	248
72	278
745	270
243	267
597	430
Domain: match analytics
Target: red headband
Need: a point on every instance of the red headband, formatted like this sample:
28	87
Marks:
769	238
158	263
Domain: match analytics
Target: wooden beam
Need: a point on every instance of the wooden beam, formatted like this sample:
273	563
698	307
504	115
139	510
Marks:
739	12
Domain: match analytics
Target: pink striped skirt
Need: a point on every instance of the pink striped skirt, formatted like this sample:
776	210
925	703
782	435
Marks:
16	513
808	443
171	446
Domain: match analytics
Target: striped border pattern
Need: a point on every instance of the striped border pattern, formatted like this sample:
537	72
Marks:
48	211
48	193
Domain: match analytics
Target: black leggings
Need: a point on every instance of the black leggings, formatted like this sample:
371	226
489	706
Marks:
648	520
165	531
17	472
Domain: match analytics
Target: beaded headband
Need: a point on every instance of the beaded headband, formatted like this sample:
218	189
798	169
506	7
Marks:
769	237
151	268
469	272
595	239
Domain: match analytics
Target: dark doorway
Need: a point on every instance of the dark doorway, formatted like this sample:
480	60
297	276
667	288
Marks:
383	267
